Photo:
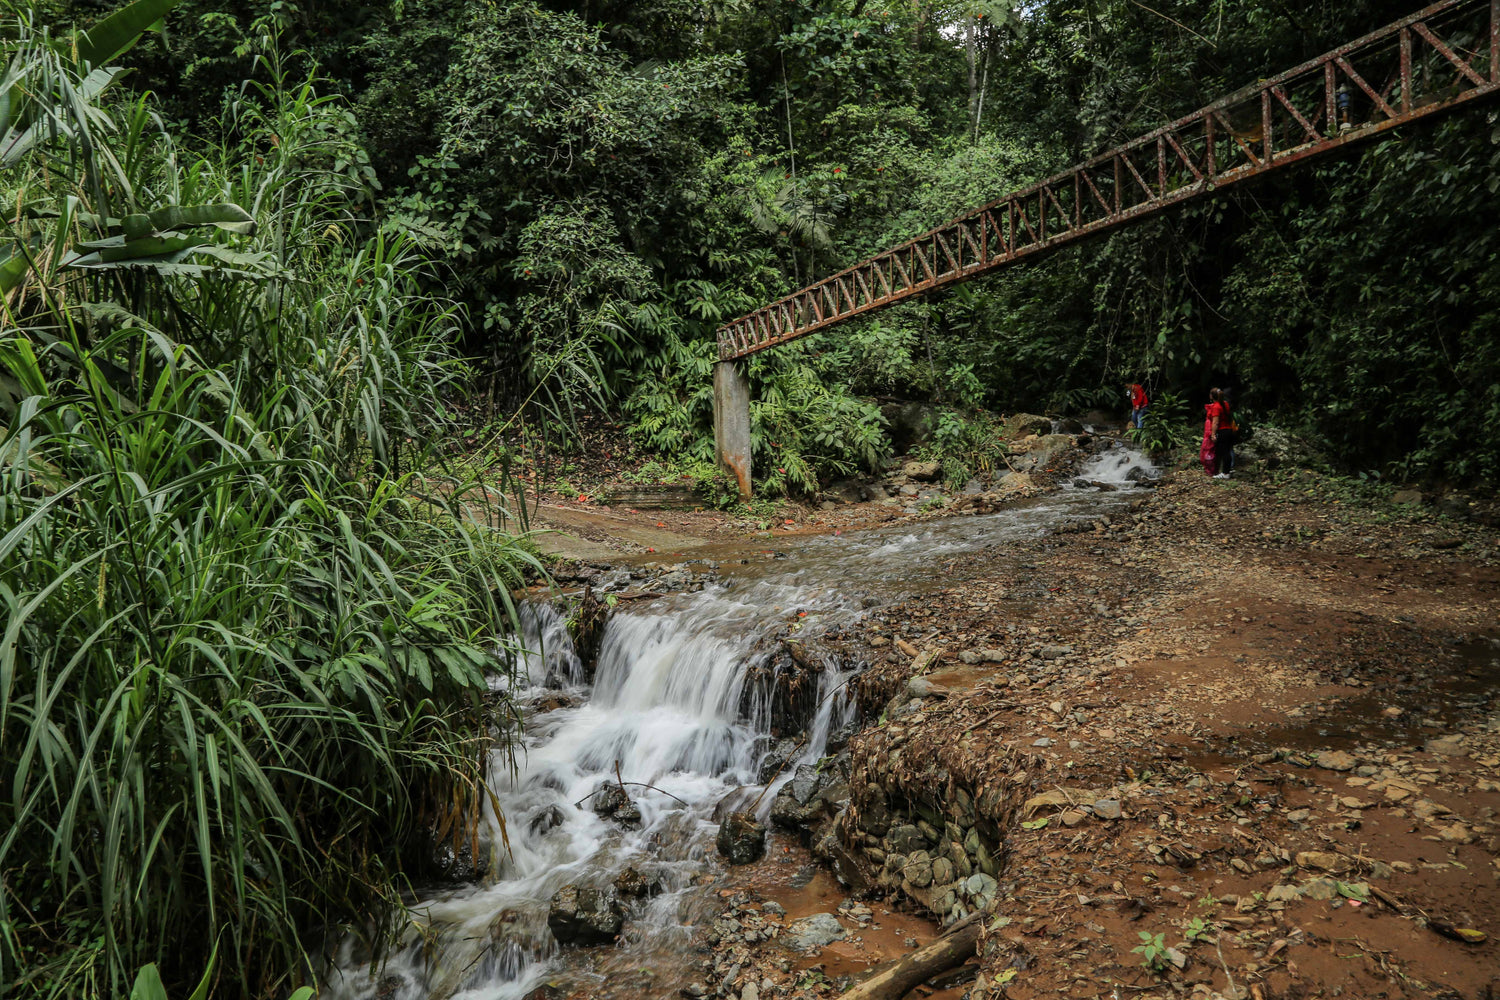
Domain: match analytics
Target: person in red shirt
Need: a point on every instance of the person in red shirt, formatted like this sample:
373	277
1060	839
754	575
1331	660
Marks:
1138	404
1211	416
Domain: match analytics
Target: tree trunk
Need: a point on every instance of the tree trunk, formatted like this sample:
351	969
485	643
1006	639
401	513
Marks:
955	947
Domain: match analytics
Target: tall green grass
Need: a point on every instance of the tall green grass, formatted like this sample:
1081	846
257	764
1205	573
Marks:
245	636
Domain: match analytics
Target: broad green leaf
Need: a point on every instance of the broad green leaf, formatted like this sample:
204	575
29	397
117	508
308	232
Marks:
13	271
148	985
231	218
117	34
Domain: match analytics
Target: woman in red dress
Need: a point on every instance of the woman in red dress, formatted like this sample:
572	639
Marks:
1212	412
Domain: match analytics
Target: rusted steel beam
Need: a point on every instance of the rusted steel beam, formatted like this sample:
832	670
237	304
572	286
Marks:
1451	47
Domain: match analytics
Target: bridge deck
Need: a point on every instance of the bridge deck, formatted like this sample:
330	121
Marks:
1438	59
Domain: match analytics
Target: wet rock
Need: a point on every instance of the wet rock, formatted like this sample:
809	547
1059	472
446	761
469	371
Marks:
874	812
587	625
1336	760
776	760
694	991
389	988
584	916
805	784
839	739
850	867
545	992
632	883
741	839
814	932
607	798
545	820
924	472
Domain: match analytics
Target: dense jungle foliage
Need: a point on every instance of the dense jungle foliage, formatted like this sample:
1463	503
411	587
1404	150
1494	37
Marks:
604	182
249	283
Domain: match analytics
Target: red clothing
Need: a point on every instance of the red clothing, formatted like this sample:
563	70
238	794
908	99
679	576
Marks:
1138	400
1206	452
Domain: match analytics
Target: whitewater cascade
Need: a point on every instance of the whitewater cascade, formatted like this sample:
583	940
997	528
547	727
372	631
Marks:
668	708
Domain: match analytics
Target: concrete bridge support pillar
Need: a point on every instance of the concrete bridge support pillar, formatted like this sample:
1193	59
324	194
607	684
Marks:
732	423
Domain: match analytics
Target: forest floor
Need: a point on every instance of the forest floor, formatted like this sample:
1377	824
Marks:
1262	720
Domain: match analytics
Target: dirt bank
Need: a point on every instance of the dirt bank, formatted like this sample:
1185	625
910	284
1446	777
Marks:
1260	724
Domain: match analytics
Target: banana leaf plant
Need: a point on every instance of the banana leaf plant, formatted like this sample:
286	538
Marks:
50	114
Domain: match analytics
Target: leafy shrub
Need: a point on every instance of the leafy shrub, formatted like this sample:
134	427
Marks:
1168	426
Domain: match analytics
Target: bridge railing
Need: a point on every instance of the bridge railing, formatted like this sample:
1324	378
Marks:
1439	58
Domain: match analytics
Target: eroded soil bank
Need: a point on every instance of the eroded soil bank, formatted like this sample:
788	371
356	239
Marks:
1261	724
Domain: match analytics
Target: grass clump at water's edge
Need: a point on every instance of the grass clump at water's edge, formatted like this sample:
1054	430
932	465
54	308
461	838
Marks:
244	653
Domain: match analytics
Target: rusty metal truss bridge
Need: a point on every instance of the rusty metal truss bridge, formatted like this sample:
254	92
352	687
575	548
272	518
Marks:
1441	58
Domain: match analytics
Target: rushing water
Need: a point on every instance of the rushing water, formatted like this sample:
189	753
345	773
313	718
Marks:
667	713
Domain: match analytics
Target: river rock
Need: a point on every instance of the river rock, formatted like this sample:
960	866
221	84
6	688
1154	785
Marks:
776	760
631	882
1448	746
580	915
1321	889
924	472
918	870
607	798
1324	861
546	991
909	423
904	839
1336	760
545	820
1020	425
741	839
1283	893
805	784
814	932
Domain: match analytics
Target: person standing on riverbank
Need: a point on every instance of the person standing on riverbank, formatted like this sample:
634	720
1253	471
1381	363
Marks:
1225	439
1138	405
1211	415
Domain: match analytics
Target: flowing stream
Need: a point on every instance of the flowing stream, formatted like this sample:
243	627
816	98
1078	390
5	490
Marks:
667	709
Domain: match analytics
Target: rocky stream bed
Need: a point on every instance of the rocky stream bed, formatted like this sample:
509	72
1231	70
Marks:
1203	740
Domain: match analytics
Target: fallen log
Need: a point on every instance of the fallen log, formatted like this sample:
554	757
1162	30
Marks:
894	981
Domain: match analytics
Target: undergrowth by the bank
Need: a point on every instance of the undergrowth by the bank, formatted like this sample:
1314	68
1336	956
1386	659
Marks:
245	638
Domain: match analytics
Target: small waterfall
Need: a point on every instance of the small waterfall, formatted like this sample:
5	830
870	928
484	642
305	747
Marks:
665	711
672	711
1118	465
